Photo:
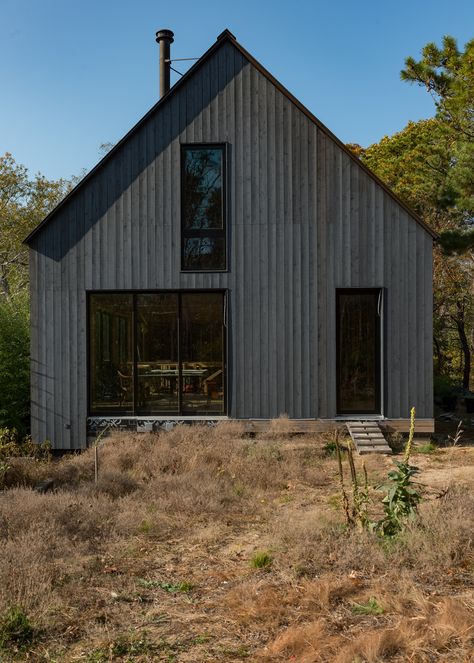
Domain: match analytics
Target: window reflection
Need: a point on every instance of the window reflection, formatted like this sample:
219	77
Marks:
111	355
204	252
202	194
202	348
358	352
156	353
203	214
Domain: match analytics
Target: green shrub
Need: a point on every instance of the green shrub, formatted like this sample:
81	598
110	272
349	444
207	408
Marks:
428	448
15	364
14	473
11	445
261	560
16	630
443	386
128	648
124	646
402	498
372	607
330	448
171	588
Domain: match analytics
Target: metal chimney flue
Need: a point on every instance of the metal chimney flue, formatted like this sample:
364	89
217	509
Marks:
164	38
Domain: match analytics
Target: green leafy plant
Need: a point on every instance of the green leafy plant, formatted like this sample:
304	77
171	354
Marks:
261	560
130	647
372	607
14	363
242	651
16	630
145	527
239	489
428	448
172	588
402	498
11	445
124	646
330	448
4	467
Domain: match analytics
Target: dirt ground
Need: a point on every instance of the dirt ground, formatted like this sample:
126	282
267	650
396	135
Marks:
206	545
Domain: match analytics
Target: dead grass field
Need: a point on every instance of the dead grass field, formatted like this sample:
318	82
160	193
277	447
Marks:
155	562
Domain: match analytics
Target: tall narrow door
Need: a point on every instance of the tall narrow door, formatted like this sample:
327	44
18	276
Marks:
358	368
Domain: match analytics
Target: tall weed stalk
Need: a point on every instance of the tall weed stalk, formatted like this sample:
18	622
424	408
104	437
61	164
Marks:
356	510
402	498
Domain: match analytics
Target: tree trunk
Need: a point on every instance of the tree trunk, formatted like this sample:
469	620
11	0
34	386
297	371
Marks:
4	285
439	355
466	350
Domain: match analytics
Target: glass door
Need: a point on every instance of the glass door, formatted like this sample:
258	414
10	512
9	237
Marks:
358	368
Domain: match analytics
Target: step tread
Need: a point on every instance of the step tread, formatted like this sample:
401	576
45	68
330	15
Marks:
368	437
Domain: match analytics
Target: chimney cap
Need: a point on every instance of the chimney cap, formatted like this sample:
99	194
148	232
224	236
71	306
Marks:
165	34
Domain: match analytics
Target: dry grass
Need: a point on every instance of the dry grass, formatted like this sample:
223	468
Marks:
154	562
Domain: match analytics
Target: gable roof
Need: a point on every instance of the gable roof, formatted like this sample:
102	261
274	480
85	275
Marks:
227	36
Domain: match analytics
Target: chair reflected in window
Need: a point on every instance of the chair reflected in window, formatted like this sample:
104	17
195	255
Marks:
126	387
213	386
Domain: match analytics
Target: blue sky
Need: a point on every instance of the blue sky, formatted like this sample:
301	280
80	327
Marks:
75	75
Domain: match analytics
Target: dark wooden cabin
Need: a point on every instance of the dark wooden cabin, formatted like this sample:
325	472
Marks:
229	257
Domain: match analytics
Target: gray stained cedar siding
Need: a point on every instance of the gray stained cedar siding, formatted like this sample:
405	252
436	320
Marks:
303	220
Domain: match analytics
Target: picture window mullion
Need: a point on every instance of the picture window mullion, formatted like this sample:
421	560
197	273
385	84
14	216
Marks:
134	354
180	367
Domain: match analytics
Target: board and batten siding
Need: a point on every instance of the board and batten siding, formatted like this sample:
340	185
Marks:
303	219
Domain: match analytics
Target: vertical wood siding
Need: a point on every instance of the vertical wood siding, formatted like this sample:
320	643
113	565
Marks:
303	219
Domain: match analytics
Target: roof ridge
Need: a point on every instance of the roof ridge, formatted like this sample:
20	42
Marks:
226	33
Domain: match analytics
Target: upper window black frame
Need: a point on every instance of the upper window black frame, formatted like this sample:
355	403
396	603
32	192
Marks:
208	232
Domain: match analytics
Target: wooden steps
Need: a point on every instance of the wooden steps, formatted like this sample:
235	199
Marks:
368	438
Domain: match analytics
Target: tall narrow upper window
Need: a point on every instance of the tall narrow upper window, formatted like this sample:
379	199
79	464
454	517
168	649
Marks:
203	232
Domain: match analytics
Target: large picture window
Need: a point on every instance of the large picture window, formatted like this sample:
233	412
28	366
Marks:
157	353
203	223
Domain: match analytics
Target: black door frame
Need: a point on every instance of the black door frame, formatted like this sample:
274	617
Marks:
379	292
